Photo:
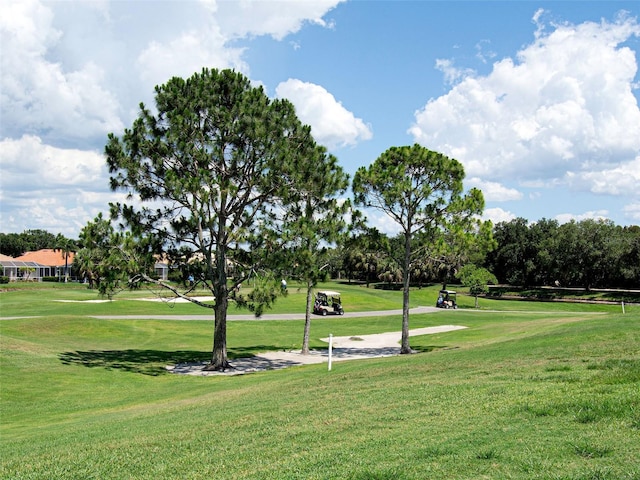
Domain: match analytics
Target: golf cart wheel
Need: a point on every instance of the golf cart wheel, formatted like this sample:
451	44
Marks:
324	312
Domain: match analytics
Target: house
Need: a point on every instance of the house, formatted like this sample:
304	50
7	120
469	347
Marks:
51	262
15	269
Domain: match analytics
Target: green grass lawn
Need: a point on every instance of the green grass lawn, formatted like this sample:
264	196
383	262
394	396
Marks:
549	391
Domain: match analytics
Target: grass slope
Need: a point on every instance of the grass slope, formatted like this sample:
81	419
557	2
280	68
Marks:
530	394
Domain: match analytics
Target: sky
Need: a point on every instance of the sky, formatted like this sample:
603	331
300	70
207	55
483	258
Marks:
539	100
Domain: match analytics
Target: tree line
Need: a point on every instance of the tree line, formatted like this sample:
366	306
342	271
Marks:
17	244
586	254
589	254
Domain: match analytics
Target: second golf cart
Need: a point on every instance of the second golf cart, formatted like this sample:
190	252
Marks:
328	302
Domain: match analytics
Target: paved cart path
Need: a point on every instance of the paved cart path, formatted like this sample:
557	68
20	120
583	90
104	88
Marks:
270	316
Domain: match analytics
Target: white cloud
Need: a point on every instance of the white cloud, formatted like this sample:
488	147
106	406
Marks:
382	222
565	104
482	53
55	189
187	54
331	123
494	191
207	40
623	179
74	71
275	18
38	94
497	215
65	211
50	214
28	164
595	215
632	211
452	73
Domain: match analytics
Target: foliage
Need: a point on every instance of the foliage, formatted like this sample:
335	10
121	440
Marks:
421	191
16	244
65	246
476	279
212	170
364	253
589	253
12	244
468	242
109	260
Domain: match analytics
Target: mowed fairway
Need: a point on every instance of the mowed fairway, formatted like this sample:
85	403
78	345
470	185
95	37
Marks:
551	391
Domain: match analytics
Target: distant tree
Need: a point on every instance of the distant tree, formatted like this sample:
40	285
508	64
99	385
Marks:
212	170
16	244
468	241
65	246
513	260
100	260
38	239
12	244
477	279
391	274
586	251
629	260
364	253
542	239
422	191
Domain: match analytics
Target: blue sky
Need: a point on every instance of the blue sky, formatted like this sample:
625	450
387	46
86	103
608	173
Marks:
538	100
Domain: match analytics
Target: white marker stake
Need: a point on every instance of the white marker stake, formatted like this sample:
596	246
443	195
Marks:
623	307
330	349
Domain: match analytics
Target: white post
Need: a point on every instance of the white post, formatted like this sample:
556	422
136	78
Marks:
330	350
623	307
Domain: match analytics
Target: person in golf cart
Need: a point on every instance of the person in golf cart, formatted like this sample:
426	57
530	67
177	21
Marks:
446	299
328	302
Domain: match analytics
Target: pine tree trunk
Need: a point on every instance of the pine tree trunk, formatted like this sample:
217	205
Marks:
406	281
307	322
219	361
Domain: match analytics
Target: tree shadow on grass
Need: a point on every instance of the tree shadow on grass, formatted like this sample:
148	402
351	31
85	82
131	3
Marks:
147	362
429	348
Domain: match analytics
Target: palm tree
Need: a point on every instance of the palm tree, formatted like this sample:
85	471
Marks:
66	246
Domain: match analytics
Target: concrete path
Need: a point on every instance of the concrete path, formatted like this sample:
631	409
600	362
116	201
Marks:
270	316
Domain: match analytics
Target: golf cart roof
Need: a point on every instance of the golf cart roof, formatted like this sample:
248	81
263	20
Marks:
450	292
329	293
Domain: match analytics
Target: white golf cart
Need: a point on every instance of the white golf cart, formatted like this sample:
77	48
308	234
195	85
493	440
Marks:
327	302
446	299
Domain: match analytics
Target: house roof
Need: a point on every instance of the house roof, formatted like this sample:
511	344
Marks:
46	256
9	262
